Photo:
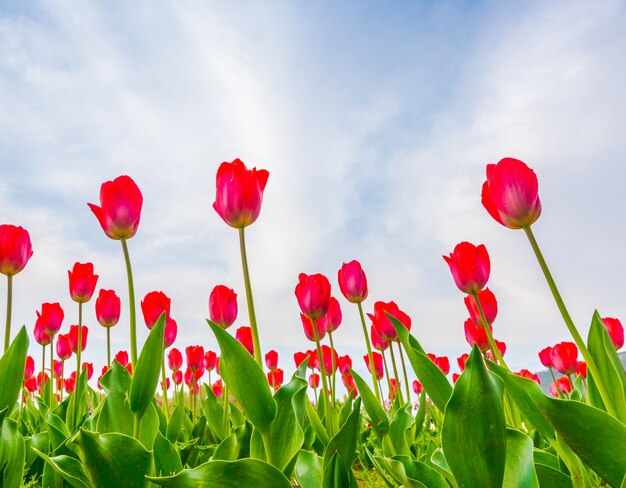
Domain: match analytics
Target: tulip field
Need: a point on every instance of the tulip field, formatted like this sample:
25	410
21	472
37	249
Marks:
172	415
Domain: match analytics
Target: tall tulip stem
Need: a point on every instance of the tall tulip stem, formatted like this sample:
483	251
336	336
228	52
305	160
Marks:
332	356
7	327
369	351
43	369
51	370
251	313
386	371
131	302
79	345
406	378
109	347
225	414
492	344
395	373
323	374
166	407
595	372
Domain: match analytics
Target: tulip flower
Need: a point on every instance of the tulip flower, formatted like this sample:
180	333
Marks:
489	305
15	251
616	331
476	334
565	357
70	383
469	266
41	336
299	357
31	384
442	362
353	282
122	358
327	360
332	319
73	338
313	294
153	305
348	382
545	356
42	379
378	364
524	373
271	360
195	357
108	308
394	390
57	368
275	378
377	342
307	326
244	336
29	367
174	359
383	324
455	377
210	360
170	333
581	369
511	193
89	368
223	306
217	388
417	387
314	380
563	384
165	386
177	377
82	282
50	318
462	360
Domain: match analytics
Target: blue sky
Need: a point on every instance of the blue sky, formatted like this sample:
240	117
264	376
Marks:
375	121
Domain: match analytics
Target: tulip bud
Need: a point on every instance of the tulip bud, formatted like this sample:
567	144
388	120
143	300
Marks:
344	364
332	320
122	358
50	318
562	384
153	305
29	367
63	347
244	336
394	386
73	338
313	294
171	331
108	308
581	369
41	336
488	303
442	362
275	378
57	368
616	331
383	324
524	373
307	325
469	266
417	387
377	342
353	282
195	357
271	360
476	334
314	380
378	364
217	388
565	357
15	249
177	377
89	368
120	209
462	360
174	359
210	360
545	356
31	384
327	358
223	306
82	282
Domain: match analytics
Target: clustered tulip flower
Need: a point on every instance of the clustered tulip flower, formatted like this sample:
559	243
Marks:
382	323
616	331
378	364
223	306
470	267
353	282
488	303
244	336
82	282
271	360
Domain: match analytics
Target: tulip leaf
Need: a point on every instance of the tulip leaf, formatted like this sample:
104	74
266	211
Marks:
548	476
175	424
227	474
77	402
474	431
12	365
68	467
246	380
432	378
166	458
147	370
227	450
113	459
57	430
309	469
12	451
149	426
519	470
401	422
421	472
336	474
344	442
213	411
378	417
316	424
115	415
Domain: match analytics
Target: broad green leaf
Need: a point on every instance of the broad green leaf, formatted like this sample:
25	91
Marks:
378	417
243	473
114	460
213	411
519	471
12	453
175	424
309	469
474	431
401	422
432	378
336	474
50	478
440	465
346	410
147	371
227	450
115	415
69	468
421	472
546	458
77	403
57	430
552	478
149	426
12	366
166	457
344	442
245	380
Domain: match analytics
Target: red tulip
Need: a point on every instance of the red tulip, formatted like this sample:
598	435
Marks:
313	294
383	325
455	377
275	378
581	369
50	318
89	368
271	360
217	388
417	387
174	359
563	384
129	368
395	386
353	282
327	358
511	193
299	357
195	357
307	325
42	379
378	343
344	363
70	384
15	249
153	305
239	193
314	380
244	335
210	360
171	331
177	377
31	384
501	346
167	384
73	338
41	336
122	358
348	382
545	356
462	360
524	373
616	331
29	367
108	306
442	362
564	357
488	303
469	266
476	334
63	347
332	320
120	209
82	282
217	365
223	306
57	368
378	364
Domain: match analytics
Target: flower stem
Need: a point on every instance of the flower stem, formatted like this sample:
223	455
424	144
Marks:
226	405
7	327
369	351
324	393
62	378
395	373
386	371
131	302
334	366
43	369
166	408
492	344
109	347
595	372
251	313
79	345
406	378
51	370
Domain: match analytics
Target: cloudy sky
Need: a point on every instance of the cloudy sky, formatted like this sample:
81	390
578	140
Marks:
375	122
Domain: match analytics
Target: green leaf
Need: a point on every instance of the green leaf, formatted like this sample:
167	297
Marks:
12	452
309	469
243	473
519	471
421	472
344	442
245	380
402	421
336	474
474	431
175	424
147	371
115	415
213	411
377	415
12	366
166	458
553	478
227	450
420	416
69	468
440	465
149	426
57	430
432	378
113	459
77	403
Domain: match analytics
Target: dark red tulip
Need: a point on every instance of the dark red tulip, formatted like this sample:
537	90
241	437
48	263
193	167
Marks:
73	338
275	378
488	303
15	249
562	384
239	193
50	318
417	387
174	359
271	360
313	294
122	358
120	208
378	364
476	334
616	331
244	336
332	320
511	193
108	307
565	357
63	347
383	324
223	306
545	356
82	282
171	331
524	373
153	305
195	357
29	367
177	377
344	364
210	360
469	266
461	360
377	342
314	381
353	282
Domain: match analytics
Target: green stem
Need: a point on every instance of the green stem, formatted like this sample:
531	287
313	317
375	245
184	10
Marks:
226	405
137	426
51	371
395	372
315	395
7	327
595	372
323	374
558	391
43	369
62	378
79	345
406	378
495	352
131	302
332	347
109	347
251	313
166	408
386	371
369	351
